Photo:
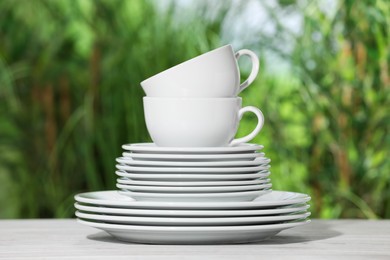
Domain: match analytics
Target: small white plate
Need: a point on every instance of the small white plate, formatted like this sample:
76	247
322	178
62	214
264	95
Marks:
169	221
195	197
192	169
256	162
191	213
193	157
192	183
270	200
152	148
193	177
207	189
192	235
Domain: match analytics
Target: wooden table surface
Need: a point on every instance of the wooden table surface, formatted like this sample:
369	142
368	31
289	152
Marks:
321	239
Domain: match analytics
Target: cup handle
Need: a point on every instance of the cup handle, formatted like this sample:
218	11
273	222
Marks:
255	67
259	126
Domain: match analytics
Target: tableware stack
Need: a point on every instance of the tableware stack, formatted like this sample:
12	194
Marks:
195	183
151	173
192	222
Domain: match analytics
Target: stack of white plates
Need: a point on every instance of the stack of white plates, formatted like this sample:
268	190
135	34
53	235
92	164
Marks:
192	196
151	173
192	222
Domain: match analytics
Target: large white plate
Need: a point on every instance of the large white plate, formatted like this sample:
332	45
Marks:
270	200
192	169
193	157
195	197
192	183
256	162
176	221
192	235
191	213
176	189
152	148
192	177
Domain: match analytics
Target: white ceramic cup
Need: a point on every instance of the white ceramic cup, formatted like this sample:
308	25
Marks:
213	74
197	122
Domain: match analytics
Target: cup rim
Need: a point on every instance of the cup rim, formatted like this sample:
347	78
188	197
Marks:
182	63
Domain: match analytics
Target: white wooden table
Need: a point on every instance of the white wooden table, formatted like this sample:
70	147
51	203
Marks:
321	239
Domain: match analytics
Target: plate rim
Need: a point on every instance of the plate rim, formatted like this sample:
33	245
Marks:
188	221
128	202
190	212
193	169
148	147
193	195
197	183
193	156
200	189
252	228
147	163
190	176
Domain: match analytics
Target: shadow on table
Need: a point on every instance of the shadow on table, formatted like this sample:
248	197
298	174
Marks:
105	237
312	232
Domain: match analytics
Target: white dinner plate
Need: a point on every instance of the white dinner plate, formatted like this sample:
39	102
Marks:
192	235
131	162
193	157
152	148
195	197
191	213
273	199
209	189
193	183
192	169
193	177
176	221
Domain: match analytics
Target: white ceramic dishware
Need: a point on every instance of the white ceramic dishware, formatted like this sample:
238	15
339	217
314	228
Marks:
151	148
197	122
192	157
178	221
191	189
192	177
183	170
193	183
151	163
195	197
271	200
212	74
191	213
192	235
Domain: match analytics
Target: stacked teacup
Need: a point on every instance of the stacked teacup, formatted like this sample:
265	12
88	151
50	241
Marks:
195	183
195	103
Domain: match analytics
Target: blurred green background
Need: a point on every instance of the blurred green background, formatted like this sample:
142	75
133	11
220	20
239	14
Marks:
70	93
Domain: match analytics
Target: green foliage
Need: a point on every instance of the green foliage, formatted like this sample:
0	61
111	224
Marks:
70	97
330	128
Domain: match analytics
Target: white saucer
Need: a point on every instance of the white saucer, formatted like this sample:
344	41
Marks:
192	169
192	183
152	148
193	157
192	235
191	213
176	221
274	199
195	197
256	162
209	189
193	177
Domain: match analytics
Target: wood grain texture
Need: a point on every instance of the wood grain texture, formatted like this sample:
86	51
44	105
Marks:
321	239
